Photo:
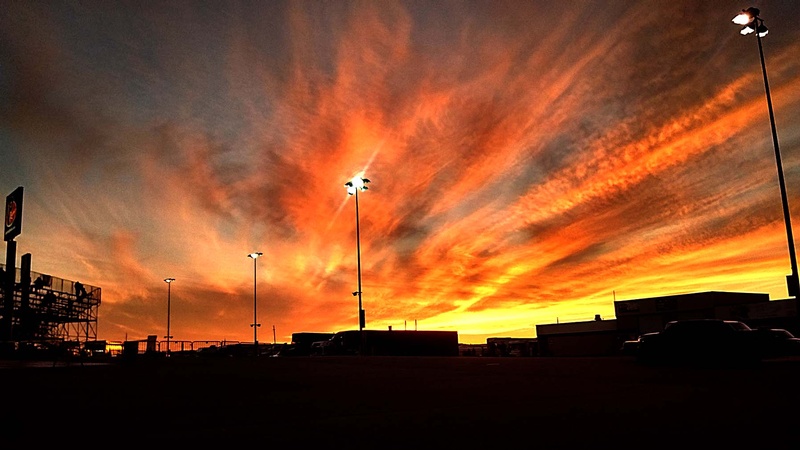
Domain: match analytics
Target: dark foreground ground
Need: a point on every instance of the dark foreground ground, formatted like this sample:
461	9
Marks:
393	403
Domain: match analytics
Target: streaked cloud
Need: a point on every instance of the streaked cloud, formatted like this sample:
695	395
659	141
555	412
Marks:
525	167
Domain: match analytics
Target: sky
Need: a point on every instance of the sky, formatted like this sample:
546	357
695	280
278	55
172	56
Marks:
530	162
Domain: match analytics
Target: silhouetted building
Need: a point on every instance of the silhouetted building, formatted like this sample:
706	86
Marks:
635	317
590	338
638	316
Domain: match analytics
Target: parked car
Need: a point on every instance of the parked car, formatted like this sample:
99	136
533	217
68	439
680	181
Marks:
631	346
320	348
701	341
777	342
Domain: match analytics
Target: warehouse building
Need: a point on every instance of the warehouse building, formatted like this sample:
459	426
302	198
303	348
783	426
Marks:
634	317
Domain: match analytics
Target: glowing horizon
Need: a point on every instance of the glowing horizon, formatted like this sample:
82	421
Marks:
524	169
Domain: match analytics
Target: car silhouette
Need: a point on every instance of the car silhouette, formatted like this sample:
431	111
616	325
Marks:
701	341
777	342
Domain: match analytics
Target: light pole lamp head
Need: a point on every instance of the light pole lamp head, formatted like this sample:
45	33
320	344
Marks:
169	280
751	22
746	16
254	255
356	184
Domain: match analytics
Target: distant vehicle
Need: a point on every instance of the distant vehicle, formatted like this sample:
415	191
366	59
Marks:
394	343
631	346
234	350
507	346
777	342
700	341
302	342
318	348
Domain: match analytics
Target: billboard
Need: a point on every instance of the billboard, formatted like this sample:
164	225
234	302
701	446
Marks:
13	214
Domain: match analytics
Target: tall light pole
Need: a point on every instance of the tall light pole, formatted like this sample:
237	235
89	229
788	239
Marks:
255	323
353	186
169	292
754	24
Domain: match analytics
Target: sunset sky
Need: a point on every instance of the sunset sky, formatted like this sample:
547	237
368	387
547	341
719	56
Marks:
529	161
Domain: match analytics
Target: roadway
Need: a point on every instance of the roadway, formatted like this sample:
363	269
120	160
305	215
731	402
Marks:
400	403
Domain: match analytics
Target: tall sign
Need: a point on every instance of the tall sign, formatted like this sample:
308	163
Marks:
13	220
13	226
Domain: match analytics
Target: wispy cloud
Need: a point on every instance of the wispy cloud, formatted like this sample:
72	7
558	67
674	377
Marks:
524	166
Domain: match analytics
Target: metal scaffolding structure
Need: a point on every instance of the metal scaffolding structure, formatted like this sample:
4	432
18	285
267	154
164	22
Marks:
51	310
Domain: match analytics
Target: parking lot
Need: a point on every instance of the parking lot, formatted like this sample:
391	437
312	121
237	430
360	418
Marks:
402	402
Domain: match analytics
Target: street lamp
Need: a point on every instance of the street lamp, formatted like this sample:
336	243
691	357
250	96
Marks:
255	323
353	186
751	23
169	289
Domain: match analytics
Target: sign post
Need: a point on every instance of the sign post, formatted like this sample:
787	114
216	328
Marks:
13	227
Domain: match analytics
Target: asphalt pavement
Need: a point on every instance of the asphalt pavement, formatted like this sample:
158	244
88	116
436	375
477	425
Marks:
399	403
